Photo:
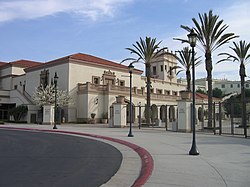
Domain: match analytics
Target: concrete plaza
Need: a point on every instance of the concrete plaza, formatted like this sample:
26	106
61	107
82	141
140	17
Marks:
223	160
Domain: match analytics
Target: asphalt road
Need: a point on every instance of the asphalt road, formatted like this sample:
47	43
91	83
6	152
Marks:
31	159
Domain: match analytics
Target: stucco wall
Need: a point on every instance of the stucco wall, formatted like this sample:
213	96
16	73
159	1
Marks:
33	77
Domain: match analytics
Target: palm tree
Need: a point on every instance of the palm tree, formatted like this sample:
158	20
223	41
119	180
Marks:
211	35
242	55
185	59
146	51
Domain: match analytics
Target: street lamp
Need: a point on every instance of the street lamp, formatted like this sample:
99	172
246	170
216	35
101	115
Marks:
55	110
130	68
192	36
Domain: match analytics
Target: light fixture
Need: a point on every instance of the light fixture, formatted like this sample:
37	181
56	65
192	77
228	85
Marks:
192	36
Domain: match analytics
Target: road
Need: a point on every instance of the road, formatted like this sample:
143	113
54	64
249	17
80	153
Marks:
44	159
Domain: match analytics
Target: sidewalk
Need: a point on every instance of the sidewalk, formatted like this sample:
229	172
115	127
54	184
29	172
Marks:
223	161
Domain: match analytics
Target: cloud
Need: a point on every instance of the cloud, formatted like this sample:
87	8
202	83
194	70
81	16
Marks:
237	17
32	9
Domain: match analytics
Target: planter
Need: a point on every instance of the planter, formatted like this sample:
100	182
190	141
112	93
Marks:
92	121
104	120
185	94
120	99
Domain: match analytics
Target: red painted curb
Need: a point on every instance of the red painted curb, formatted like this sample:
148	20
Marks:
146	158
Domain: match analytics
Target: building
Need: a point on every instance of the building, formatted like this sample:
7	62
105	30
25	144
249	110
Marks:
93	83
230	86
225	85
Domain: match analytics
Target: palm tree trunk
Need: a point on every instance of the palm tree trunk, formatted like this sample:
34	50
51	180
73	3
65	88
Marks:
148	85
209	68
243	98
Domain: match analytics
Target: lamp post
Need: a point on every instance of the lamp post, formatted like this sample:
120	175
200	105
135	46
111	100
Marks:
139	104
130	68
192	36
55	110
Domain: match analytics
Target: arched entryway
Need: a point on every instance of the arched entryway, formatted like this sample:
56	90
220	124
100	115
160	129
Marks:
163	113
171	113
154	113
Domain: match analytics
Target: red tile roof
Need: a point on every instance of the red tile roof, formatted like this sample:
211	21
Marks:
202	96
100	61
2	63
88	59
97	60
25	63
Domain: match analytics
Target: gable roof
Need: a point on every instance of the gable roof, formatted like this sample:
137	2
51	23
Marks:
84	59
2	63
100	61
25	63
20	63
96	60
202	96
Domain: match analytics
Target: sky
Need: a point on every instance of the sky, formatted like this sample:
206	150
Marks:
43	30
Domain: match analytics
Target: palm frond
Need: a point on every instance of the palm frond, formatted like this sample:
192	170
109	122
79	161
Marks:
128	59
240	50
146	50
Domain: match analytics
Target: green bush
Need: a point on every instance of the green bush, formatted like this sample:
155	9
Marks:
18	112
13	121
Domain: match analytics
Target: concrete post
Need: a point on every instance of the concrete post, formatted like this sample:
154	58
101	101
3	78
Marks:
184	115
48	114
120	112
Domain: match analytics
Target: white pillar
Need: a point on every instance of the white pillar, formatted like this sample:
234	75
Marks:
120	112
184	115
48	114
120	115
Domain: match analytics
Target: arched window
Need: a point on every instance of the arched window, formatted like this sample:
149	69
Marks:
163	113
171	113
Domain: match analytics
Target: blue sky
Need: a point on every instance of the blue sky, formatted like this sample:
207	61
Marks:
43	30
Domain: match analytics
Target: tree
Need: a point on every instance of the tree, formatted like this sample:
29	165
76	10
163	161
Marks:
247	93
185	59
217	93
232	106
211	36
18	112
241	55
46	96
201	91
146	51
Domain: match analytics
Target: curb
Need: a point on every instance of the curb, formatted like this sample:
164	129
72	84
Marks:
146	158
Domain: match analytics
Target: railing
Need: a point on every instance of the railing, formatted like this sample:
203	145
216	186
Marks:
28	97
122	90
4	93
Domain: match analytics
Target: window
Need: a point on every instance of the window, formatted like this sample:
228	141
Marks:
154	70
15	87
167	92
158	91
95	80
152	90
166	67
171	71
238	85
122	83
44	78
231	85
223	86
161	67
247	85
174	93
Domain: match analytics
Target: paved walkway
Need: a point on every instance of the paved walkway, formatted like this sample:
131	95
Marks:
223	161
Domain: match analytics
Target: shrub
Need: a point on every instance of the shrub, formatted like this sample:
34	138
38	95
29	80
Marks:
18	112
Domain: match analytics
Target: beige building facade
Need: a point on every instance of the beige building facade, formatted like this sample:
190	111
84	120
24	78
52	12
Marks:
92	82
